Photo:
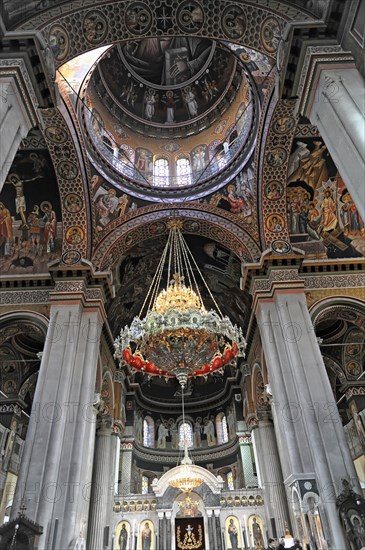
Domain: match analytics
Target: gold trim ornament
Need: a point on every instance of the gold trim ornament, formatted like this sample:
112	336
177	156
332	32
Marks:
189	542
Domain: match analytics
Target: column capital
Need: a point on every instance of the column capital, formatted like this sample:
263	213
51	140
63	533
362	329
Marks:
104	425
245	439
252	421
272	275
316	59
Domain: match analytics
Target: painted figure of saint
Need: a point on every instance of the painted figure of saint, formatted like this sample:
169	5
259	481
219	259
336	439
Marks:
233	534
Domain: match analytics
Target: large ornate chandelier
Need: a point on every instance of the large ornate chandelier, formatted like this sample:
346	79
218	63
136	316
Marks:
174	335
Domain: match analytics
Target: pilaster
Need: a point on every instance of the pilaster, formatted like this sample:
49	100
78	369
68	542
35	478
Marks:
62	425
310	435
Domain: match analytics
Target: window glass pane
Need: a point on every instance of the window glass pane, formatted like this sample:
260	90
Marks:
148	432
161	172
221	426
183	171
144	485
230	484
185	433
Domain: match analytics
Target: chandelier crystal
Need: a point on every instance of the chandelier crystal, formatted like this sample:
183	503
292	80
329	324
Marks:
175	335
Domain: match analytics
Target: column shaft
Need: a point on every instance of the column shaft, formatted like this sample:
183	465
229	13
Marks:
56	470
101	485
306	414
272	478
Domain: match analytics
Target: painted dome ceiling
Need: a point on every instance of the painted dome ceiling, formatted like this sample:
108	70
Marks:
180	99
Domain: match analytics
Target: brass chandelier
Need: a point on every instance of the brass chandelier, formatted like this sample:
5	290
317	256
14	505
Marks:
174	335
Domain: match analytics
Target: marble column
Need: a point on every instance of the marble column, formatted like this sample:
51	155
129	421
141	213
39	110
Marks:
101	484
250	479
168	515
217	529
160	529
274	494
56	471
309	430
338	110
211	529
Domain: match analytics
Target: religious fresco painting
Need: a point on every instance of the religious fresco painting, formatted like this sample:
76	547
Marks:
233	534
166	80
256	530
123	536
146	536
109	203
322	217
30	213
238	196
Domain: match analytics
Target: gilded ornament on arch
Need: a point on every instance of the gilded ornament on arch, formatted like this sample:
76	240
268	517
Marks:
71	257
67	170
73	203
283	125
56	134
279	246
276	157
138	18
234	22
270	34
59	42
75	235
95	27
274	190
190	16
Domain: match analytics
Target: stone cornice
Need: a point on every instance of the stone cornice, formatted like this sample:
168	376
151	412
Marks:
316	58
15	70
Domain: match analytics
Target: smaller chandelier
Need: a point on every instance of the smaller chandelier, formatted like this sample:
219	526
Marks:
186	480
177	336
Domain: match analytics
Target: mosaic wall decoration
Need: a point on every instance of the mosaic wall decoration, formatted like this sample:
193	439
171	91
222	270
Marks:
254	26
322	217
275	161
30	212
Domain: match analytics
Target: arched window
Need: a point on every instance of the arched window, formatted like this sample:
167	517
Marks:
148	432
221	427
161	172
183	171
230	482
144	485
185	434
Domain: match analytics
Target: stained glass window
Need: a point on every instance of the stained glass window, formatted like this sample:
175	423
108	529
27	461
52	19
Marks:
183	171
185	433
161	172
221	427
148	432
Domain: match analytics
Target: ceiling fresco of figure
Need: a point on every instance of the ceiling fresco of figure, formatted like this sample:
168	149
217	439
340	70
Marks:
30	211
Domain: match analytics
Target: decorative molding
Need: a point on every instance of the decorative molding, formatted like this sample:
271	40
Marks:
10	408
350	280
314	56
14	297
354	391
245	440
286	276
13	68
